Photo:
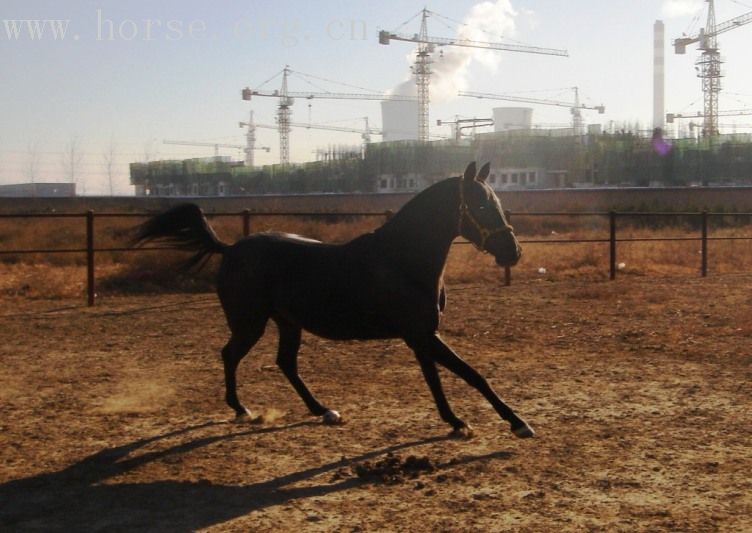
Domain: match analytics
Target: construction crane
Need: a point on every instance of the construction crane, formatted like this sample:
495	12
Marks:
250	142
709	64
459	124
287	98
578	124
247	149
364	133
672	117
422	66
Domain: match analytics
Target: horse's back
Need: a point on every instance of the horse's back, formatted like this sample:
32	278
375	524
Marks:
328	289
263	259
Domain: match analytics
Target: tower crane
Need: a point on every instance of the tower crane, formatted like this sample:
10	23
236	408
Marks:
364	133
459	124
709	63
422	66
671	117
247	149
287	98
250	142
578	125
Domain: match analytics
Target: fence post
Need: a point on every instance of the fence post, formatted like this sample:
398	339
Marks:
704	264
246	222
90	288
508	269
612	244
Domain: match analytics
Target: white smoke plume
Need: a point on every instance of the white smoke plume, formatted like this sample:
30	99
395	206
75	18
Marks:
680	8
486	21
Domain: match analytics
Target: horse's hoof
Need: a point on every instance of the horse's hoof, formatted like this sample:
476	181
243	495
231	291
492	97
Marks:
524	431
331	418
248	418
463	432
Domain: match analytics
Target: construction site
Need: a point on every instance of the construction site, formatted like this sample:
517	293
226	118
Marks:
405	154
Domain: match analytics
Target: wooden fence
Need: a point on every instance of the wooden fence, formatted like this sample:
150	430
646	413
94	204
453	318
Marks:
90	249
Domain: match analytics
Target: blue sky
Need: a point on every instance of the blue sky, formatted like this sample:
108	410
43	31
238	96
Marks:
130	74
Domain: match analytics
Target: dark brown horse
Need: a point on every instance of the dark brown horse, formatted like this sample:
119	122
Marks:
384	284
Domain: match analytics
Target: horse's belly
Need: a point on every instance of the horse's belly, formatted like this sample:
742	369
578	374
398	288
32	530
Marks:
351	330
342	320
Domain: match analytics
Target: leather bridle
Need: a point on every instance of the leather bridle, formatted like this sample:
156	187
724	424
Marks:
484	232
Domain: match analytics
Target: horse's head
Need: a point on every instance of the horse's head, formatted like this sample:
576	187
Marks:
482	220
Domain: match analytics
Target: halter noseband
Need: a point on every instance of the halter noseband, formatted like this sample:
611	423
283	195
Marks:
485	233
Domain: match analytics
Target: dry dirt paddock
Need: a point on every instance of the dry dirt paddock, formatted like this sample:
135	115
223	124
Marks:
112	418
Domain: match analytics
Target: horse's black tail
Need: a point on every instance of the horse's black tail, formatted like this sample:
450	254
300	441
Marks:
185	228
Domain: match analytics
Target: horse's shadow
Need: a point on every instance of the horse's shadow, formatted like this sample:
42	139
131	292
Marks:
80	497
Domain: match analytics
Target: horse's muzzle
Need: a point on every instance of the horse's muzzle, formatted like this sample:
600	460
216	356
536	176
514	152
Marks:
509	261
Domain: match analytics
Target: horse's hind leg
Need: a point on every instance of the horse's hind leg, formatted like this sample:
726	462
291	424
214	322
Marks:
287	360
236	348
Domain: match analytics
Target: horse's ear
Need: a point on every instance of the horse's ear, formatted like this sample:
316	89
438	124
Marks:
484	171
469	172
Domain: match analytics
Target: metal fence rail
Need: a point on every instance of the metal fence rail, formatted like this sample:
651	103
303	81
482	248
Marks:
89	248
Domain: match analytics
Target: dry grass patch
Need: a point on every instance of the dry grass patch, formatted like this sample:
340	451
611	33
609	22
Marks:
46	275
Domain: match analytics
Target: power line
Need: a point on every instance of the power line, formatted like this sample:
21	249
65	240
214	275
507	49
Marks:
335	82
270	79
408	21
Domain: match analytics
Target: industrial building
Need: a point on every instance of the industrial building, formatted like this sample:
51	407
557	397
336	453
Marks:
512	118
38	190
523	155
399	121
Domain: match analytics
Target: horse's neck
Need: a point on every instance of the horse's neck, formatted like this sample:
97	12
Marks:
420	234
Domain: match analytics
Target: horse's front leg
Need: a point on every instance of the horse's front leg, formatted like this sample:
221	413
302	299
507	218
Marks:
433	347
431	374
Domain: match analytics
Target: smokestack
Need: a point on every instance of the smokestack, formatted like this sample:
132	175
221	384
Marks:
659	89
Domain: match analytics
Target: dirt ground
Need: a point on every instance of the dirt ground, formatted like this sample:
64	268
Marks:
113	418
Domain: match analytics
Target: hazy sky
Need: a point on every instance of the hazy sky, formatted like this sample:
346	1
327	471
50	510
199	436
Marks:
130	74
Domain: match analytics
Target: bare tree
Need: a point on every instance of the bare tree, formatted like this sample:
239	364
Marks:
32	160
109	162
150	150
72	157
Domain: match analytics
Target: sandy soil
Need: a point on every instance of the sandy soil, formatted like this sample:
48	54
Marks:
112	418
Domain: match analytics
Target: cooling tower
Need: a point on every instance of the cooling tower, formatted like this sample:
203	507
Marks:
399	120
512	118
